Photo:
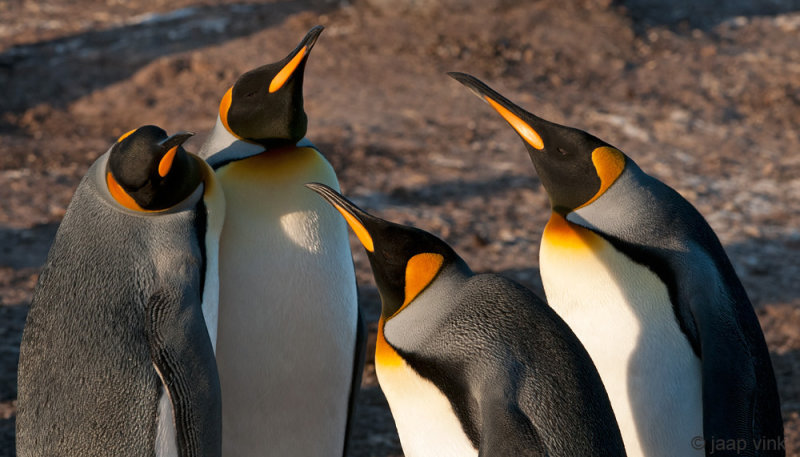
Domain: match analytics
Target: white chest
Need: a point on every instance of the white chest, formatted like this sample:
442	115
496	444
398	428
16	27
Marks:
288	309
622	314
426	422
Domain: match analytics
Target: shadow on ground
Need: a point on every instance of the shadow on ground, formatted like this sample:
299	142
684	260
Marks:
703	14
80	64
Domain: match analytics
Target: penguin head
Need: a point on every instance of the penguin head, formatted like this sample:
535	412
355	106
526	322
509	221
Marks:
575	167
265	105
148	170
404	260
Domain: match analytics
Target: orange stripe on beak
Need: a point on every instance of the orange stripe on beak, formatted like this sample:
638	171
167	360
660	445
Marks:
166	161
526	131
358	228
280	79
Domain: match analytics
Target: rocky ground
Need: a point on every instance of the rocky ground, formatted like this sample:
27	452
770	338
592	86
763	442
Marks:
704	97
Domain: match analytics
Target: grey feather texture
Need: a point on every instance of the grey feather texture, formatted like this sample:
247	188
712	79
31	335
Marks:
88	385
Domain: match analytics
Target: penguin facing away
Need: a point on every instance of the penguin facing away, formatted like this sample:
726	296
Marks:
290	345
644	282
475	364
116	357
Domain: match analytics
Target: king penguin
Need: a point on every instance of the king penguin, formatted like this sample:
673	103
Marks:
290	347
116	355
644	282
475	365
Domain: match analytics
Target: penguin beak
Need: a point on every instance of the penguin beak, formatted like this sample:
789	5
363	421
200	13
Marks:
294	59
175	140
171	144
512	113
354	215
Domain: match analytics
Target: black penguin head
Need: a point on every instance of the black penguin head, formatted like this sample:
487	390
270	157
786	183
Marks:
575	167
265	105
150	171
404	259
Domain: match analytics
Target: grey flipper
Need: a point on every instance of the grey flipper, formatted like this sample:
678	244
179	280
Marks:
740	399
507	430
181	351
358	369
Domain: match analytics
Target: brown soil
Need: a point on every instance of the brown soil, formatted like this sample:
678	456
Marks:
706	98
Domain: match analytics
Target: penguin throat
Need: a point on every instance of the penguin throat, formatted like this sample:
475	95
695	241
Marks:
562	233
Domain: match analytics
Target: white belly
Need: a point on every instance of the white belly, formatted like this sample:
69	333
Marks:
622	314
426	422
288	310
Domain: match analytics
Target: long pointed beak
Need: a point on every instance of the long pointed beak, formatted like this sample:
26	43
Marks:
295	58
354	215
176	139
512	113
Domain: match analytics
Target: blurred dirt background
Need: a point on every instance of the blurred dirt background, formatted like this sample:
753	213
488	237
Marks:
703	94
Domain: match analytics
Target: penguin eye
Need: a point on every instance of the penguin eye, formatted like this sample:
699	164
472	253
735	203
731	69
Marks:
562	151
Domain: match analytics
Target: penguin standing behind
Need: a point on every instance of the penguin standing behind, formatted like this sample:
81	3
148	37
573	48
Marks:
475	364
290	346
644	282
116	358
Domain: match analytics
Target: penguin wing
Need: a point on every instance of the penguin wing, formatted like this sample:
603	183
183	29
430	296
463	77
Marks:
740	399
182	353
507	431
358	369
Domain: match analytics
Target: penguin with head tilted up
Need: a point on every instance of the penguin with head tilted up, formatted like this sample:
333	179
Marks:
116	356
644	282
475	365
290	346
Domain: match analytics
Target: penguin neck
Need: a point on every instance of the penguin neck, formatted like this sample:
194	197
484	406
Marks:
560	232
416	321
222	147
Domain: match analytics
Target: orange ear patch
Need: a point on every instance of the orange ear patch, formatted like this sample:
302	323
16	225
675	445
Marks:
525	131
224	107
125	135
120	195
280	79
420	271
358	228
166	162
609	163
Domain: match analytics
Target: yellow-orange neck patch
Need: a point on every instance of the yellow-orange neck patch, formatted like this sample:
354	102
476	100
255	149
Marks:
120	195
280	79
358	228
609	163
385	355
166	162
525	131
420	271
564	234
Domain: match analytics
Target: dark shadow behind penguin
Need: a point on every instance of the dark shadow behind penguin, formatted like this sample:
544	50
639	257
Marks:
644	282
291	340
475	365
116	357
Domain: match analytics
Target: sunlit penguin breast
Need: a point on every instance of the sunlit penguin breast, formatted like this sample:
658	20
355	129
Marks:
426	421
287	295
621	312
